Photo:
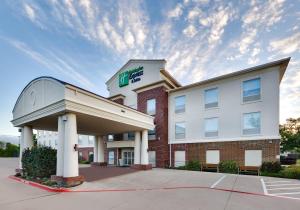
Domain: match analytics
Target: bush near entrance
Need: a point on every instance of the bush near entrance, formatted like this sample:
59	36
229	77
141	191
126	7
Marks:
39	162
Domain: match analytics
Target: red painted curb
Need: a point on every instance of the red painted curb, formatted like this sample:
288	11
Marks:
65	190
41	186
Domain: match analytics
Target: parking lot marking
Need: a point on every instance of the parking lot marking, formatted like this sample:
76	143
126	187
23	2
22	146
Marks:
287	193
284	188
277	182
267	189
275	185
218	181
264	186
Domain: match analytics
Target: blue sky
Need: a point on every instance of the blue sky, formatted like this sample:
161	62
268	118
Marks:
84	42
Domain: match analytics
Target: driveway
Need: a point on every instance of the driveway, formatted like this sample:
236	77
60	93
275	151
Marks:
155	189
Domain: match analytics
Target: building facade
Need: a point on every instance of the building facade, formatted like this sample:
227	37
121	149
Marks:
230	117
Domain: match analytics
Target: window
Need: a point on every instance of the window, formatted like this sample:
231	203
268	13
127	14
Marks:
211	98
110	137
151	106
152	134
253	157
179	158
251	123
211	127
111	157
180	104
180	130
152	158
251	90
212	156
131	136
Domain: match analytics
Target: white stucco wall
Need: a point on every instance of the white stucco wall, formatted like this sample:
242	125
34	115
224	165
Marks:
230	110
150	75
38	94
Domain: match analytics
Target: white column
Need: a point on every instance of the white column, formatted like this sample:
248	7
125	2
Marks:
26	141
60	147
144	148
137	148
28	137
71	138
21	148
100	149
95	149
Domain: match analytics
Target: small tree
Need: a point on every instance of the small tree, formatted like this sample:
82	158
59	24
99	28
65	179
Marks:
290	135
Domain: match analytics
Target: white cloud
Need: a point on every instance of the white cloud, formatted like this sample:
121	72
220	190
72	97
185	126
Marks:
176	12
287	45
194	13
190	31
52	62
30	12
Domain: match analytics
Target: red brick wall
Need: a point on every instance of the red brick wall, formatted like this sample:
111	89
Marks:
160	144
234	150
85	152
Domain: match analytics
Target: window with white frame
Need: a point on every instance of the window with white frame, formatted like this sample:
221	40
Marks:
251	90
211	127
253	157
212	156
251	123
151	106
152	134
180	130
180	104
211	98
179	159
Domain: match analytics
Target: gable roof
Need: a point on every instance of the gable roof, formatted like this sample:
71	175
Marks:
130	61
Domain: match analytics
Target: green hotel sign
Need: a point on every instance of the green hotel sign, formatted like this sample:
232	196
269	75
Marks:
132	75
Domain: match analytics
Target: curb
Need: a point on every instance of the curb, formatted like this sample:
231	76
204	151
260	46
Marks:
37	185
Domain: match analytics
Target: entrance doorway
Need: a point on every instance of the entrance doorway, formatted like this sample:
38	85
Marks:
128	157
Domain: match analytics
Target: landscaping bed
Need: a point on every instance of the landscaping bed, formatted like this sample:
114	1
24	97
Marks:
272	169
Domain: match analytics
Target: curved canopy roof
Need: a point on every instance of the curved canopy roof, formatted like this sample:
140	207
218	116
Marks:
45	98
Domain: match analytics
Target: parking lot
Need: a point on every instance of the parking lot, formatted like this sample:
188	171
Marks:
156	189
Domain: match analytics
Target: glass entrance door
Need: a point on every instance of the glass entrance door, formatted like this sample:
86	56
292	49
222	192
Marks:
128	158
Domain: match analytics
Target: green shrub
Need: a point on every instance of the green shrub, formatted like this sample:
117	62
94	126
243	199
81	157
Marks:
291	172
91	158
10	150
271	167
228	166
39	162
193	165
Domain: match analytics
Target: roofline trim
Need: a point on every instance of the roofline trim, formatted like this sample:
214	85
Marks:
282	62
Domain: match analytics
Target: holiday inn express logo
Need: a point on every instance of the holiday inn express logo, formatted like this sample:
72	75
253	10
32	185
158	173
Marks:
133	75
